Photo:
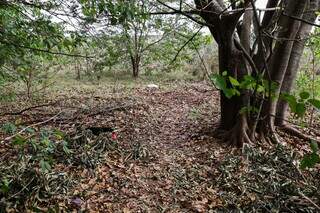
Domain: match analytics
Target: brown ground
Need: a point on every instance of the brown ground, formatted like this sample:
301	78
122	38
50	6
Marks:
167	160
178	159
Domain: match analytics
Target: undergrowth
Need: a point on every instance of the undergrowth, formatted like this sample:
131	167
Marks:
40	167
267	181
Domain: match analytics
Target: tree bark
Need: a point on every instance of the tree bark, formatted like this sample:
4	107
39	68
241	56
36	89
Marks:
135	62
267	24
279	55
280	58
231	60
294	62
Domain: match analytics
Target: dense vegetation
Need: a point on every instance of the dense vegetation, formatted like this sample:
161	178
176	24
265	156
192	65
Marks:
101	98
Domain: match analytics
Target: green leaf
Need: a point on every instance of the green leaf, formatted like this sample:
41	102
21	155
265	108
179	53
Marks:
19	140
314	146
65	148
291	101
45	142
219	81
234	81
309	161
9	128
59	134
44	166
5	186
260	89
228	93
30	130
300	109
304	95
315	103
248	82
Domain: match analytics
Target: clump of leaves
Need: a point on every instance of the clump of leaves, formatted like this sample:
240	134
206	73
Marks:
231	86
267	181
299	105
9	128
29	178
310	160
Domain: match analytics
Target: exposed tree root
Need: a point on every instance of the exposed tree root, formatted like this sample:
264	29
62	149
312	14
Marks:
263	139
267	132
238	135
295	132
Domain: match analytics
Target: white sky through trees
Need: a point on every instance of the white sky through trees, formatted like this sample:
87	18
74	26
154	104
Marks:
72	24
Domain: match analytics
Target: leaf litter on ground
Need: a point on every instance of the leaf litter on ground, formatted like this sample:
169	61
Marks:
165	158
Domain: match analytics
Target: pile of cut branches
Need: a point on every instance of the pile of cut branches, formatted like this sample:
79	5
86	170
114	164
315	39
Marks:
268	181
39	169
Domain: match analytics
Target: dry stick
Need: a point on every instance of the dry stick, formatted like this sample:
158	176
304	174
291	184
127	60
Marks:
313	84
230	6
12	196
246	55
185	14
46	50
197	11
33	125
255	124
301	20
310	201
185	44
27	109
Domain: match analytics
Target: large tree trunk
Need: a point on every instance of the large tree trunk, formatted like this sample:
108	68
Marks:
280	59
294	63
231	60
234	123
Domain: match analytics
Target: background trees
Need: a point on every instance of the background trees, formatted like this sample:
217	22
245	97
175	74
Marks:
259	49
103	124
264	44
29	37
141	35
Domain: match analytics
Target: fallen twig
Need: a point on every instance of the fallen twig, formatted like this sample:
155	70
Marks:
110	109
27	109
25	187
30	126
309	200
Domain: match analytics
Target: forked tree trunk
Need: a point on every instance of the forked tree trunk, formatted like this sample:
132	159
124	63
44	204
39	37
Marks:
280	59
232	121
231	59
294	63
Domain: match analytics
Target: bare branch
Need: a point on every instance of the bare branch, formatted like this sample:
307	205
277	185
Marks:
185	44
46	51
31	126
301	19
